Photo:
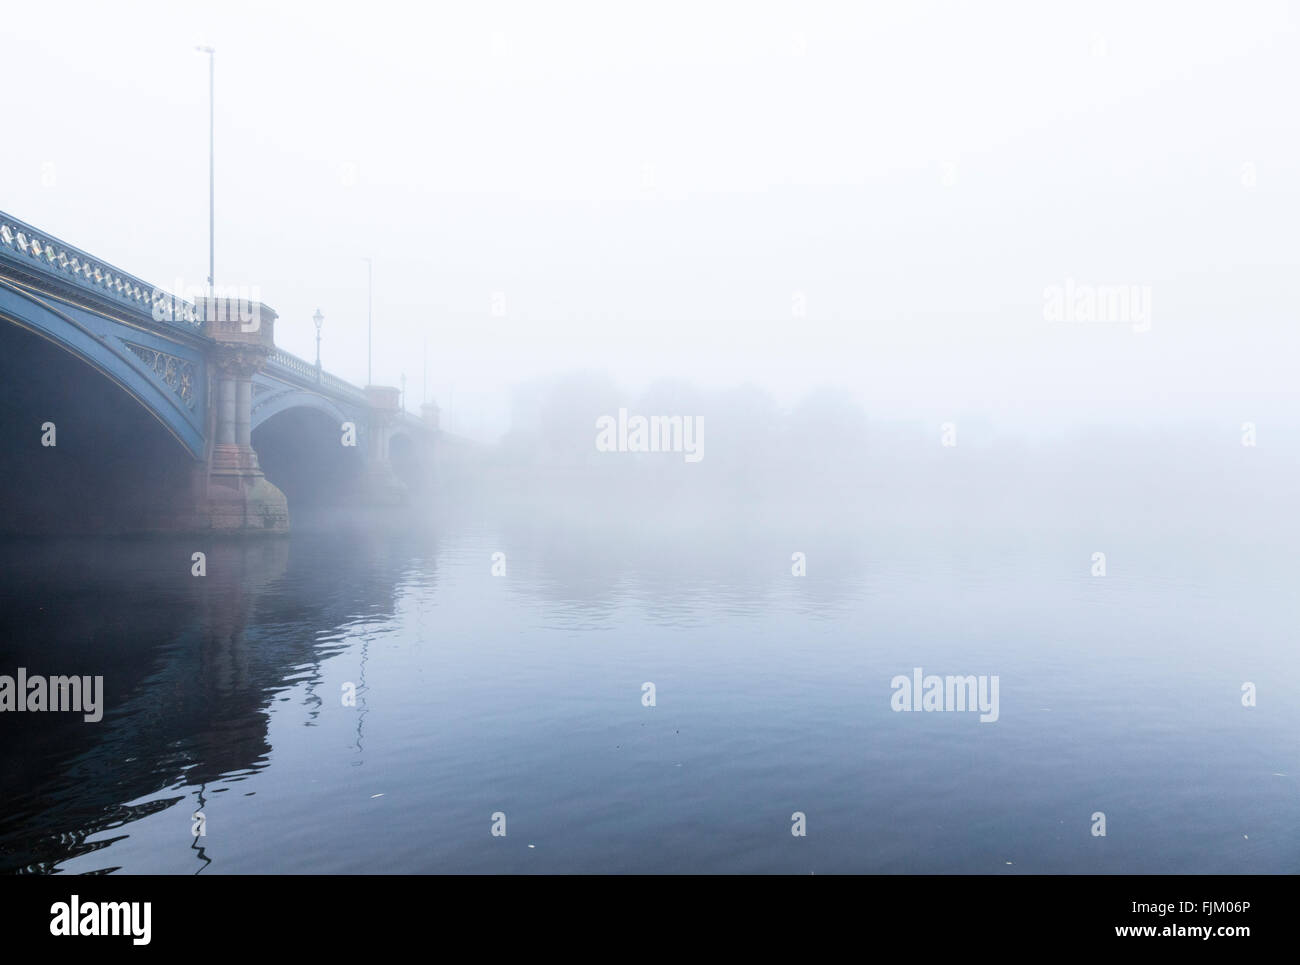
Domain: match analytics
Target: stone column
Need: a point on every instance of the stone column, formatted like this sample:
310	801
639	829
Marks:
236	496
244	412
225	406
429	412
381	486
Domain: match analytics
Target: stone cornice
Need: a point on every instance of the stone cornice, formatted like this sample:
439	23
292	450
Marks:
239	360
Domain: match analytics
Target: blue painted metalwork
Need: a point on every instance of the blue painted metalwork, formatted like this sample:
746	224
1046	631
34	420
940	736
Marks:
148	341
104	344
289	366
272	396
25	250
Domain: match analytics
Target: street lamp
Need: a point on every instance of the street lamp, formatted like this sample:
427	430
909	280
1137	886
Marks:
319	319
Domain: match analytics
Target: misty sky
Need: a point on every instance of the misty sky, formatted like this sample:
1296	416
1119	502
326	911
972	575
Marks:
654	189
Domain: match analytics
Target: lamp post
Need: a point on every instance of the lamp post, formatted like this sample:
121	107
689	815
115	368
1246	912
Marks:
319	319
212	165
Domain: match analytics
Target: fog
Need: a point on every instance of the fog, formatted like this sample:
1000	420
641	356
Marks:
771	204
781	352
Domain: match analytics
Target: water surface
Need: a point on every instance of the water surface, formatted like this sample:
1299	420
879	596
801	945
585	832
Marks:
522	694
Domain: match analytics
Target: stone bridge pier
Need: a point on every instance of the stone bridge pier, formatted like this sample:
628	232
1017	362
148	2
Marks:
233	492
381	487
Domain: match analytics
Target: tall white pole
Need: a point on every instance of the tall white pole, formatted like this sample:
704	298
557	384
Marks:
212	166
212	172
370	309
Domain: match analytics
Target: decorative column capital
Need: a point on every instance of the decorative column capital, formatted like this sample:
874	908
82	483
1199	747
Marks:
239	361
244	333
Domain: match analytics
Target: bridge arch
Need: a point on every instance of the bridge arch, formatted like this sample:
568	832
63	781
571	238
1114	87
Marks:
169	386
409	457
84	453
271	399
301	445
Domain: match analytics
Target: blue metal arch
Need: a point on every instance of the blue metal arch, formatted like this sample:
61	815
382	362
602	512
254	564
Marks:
119	352
279	397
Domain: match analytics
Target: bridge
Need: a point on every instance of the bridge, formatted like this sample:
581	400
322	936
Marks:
129	409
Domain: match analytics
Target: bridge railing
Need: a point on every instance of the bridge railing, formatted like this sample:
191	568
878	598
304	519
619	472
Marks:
334	382
33	251
29	248
308	372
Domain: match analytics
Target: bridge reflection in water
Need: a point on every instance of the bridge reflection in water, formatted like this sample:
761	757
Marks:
191	666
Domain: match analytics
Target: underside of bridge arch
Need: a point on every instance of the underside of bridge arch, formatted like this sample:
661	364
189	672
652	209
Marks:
301	451
409	464
112	467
